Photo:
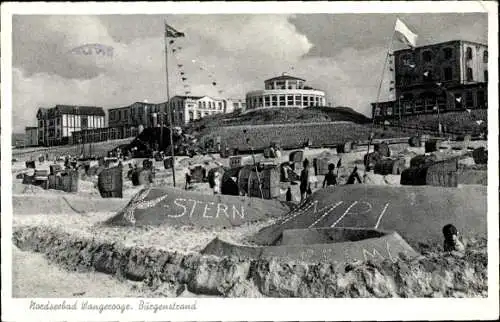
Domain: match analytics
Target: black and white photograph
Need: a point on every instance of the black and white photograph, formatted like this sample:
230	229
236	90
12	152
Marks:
178	154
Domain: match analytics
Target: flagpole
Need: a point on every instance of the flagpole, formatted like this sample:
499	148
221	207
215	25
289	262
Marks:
389	46
167	108
439	119
383	72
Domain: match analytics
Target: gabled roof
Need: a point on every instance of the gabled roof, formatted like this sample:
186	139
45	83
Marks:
284	77
42	111
80	110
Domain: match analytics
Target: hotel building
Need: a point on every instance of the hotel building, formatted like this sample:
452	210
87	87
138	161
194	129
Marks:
448	76
56	124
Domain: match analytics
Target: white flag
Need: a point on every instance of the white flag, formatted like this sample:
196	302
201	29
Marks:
405	35
468	110
479	122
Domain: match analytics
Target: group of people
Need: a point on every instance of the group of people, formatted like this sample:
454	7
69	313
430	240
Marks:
214	182
308	180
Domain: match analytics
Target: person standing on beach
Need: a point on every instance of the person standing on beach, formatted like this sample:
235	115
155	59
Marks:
305	185
217	182
330	177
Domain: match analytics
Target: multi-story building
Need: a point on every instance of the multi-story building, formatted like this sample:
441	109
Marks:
31	136
232	105
189	108
442	77
135	115
56	124
285	91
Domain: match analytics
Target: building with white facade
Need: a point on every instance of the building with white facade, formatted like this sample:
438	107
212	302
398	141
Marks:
56	124
186	109
285	91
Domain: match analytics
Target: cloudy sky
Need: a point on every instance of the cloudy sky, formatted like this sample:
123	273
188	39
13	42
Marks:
341	54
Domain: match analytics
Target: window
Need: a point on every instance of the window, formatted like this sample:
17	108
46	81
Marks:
199	104
267	101
480	99
220	105
469	100
408	107
389	110
448	53
468	53
427	56
289	99
486	75
282	100
470	76
275	100
377	111
427	76
406	60
448	73
485	56
261	101
458	101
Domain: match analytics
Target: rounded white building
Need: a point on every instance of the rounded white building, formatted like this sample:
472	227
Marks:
285	91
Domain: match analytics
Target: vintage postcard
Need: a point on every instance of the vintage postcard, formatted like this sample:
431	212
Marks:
249	161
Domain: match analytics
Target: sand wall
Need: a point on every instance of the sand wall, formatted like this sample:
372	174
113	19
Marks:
432	275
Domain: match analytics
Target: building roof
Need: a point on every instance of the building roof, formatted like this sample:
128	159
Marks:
80	110
188	97
442	43
284	77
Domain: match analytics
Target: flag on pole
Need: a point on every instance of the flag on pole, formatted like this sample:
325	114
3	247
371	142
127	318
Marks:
404	34
468	110
479	122
339	164
170	32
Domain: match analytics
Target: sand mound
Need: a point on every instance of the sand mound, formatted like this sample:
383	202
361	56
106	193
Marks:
341	245
436	274
63	204
416	213
176	207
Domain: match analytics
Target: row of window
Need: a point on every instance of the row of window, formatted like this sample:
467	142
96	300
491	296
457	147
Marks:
428	55
285	100
429	104
290	84
447	75
201	105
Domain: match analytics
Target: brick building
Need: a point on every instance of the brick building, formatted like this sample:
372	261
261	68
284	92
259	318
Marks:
448	76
